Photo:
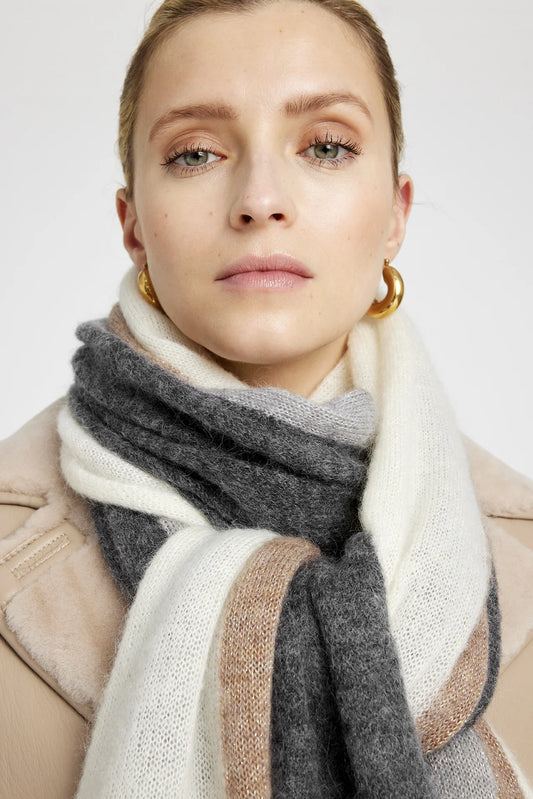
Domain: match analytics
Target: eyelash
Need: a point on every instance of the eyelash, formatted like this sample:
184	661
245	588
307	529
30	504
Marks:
352	151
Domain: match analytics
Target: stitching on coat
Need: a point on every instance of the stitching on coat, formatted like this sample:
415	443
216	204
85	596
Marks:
21	547
40	556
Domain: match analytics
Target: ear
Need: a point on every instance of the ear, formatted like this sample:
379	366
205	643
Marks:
403	201
132	234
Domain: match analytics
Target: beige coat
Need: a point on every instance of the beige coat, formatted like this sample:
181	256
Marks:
62	614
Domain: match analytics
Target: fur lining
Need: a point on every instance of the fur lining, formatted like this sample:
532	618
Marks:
514	571
29	466
69	628
74	641
501	491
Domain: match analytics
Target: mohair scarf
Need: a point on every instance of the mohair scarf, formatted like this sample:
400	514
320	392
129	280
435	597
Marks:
314	612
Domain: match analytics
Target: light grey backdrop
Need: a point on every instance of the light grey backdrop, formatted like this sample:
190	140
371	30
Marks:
467	75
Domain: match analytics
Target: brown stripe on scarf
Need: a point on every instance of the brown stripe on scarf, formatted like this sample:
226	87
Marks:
251	618
457	699
508	787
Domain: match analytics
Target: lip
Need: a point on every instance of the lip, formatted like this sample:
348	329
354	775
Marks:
262	267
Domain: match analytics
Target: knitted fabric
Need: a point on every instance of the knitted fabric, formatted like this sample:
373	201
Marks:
256	664
242	466
340	722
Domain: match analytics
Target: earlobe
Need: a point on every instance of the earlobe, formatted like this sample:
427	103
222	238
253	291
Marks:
403	202
129	221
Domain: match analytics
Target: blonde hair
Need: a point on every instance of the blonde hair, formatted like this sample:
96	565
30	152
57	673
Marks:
174	13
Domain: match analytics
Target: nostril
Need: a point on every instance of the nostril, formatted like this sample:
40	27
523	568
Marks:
246	219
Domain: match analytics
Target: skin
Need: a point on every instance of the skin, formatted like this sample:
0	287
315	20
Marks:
264	188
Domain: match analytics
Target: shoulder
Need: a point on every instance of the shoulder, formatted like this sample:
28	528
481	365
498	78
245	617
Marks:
51	615
506	499
502	492
29	461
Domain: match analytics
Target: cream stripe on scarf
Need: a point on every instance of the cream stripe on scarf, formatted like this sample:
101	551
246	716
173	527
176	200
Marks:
167	741
99	474
420	507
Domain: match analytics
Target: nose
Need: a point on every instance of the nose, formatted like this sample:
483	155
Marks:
262	196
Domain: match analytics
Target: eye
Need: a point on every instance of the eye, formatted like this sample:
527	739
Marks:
190	159
195	158
326	151
331	151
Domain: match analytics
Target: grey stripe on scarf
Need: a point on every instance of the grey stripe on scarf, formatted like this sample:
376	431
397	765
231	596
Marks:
242	466
341	725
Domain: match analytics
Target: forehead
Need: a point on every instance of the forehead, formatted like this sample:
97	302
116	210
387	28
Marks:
260	59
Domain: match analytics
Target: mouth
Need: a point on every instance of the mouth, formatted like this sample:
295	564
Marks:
275	271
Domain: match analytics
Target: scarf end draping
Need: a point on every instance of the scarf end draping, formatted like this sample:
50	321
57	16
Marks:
189	707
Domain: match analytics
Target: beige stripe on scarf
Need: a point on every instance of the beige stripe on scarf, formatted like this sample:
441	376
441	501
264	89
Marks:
508	787
457	699
251	618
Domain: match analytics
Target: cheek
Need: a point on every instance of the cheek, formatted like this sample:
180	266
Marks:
359	257
172	239
175	220
361	214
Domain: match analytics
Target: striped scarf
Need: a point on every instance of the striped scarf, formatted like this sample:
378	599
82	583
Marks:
303	623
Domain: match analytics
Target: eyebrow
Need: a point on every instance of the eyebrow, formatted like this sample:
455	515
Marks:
306	103
302	104
200	111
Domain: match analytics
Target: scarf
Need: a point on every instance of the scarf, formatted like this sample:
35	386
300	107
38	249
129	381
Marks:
306	621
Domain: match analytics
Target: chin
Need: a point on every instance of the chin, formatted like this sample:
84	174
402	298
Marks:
266	355
255	341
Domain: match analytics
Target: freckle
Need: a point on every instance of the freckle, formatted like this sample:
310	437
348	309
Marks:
166	216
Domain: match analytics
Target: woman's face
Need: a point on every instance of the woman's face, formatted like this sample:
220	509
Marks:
262	144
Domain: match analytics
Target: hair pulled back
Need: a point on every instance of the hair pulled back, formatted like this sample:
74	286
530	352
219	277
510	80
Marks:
174	13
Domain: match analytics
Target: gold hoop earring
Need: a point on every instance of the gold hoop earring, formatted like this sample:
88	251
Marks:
395	290
146	288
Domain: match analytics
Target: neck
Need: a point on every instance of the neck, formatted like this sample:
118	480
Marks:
300	375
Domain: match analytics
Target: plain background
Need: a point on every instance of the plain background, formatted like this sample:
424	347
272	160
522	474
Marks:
466	70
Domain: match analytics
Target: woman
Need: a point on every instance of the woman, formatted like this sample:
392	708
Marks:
262	454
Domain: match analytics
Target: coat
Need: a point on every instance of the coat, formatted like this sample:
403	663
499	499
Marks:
62	613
